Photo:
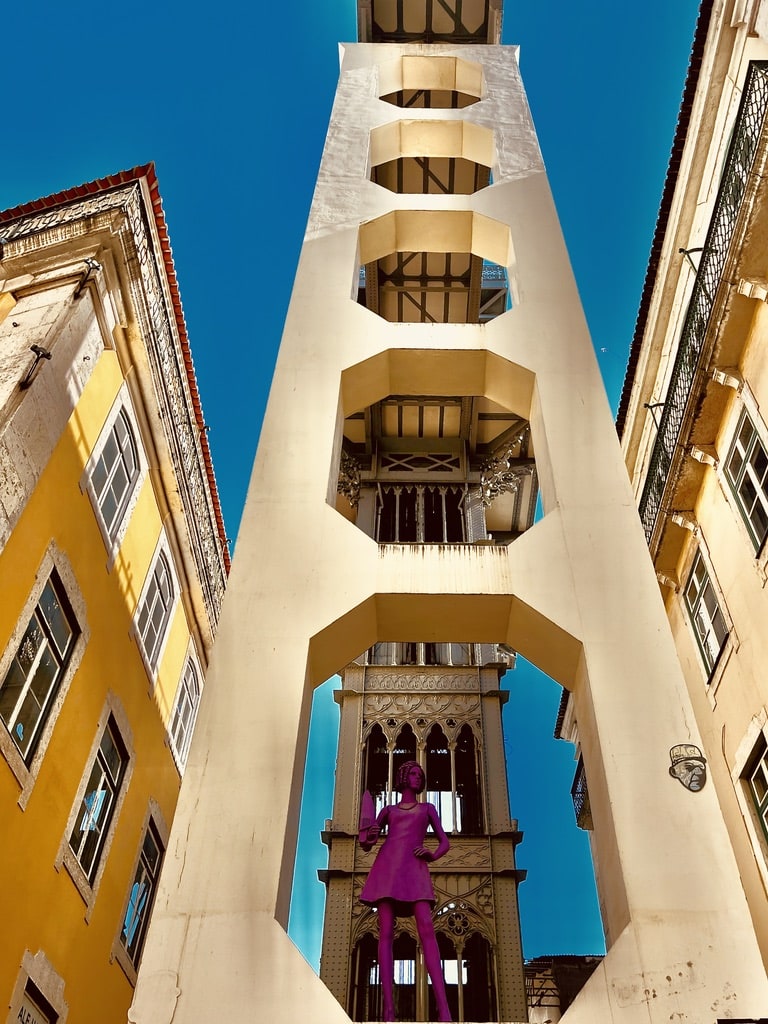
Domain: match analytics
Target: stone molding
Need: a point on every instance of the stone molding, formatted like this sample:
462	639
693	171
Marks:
122	211
386	679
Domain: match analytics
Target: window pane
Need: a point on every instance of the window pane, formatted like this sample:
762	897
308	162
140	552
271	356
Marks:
10	692
95	813
155	610
32	679
705	613
150	852
110	755
747	471
141	896
115	473
55	618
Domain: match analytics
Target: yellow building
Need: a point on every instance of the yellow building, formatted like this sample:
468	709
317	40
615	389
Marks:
693	418
113	564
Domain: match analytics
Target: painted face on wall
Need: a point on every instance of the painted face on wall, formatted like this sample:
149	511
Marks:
689	766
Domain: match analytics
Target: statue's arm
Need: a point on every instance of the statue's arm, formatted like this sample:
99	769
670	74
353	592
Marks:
443	846
374	831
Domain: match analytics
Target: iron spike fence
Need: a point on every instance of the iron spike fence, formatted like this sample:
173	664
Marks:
691	349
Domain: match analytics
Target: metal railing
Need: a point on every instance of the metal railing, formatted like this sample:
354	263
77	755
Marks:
691	352
580	797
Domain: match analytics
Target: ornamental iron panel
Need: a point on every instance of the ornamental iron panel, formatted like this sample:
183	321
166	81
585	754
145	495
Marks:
580	796
690	352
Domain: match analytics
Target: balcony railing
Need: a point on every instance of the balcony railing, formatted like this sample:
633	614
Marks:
580	797
691	349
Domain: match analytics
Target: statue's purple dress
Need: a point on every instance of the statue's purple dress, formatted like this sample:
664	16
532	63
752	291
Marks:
397	874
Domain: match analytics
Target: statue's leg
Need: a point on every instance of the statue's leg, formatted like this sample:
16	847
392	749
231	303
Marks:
386	915
423	915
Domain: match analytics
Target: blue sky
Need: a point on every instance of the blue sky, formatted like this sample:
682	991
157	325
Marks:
236	132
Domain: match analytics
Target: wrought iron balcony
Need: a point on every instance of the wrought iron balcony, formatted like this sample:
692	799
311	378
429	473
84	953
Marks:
692	353
580	796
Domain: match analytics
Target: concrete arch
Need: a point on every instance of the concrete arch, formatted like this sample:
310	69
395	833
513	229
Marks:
437	372
432	139
450	74
475	618
436	231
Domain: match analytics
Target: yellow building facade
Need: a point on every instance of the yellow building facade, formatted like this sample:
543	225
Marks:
113	563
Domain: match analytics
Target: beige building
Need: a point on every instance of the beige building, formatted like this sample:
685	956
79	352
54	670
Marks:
427	91
693	418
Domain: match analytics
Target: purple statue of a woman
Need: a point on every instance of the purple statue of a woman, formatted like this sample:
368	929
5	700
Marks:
399	884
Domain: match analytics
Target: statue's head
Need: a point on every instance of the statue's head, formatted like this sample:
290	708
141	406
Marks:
403	777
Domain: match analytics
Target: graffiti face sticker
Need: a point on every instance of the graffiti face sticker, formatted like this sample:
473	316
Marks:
688	766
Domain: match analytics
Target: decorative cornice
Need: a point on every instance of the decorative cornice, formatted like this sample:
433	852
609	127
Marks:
129	204
399	679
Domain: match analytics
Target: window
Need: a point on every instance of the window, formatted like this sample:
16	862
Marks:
756	777
38	994
185	713
96	810
155	610
35	1008
32	681
746	470
420	513
114	474
142	894
453	783
705	614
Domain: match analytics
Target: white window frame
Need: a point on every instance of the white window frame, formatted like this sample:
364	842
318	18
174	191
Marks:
37	971
153	658
756	733
709	659
734	481
26	773
180	743
114	533
155	824
88	887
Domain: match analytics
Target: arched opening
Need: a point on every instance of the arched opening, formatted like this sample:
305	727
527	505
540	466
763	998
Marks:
376	777
434	288
404	750
433	157
440	790
435	266
479	988
412	709
419	81
437	470
469	809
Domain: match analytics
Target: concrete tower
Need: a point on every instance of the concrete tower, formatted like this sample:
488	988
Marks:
310	590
